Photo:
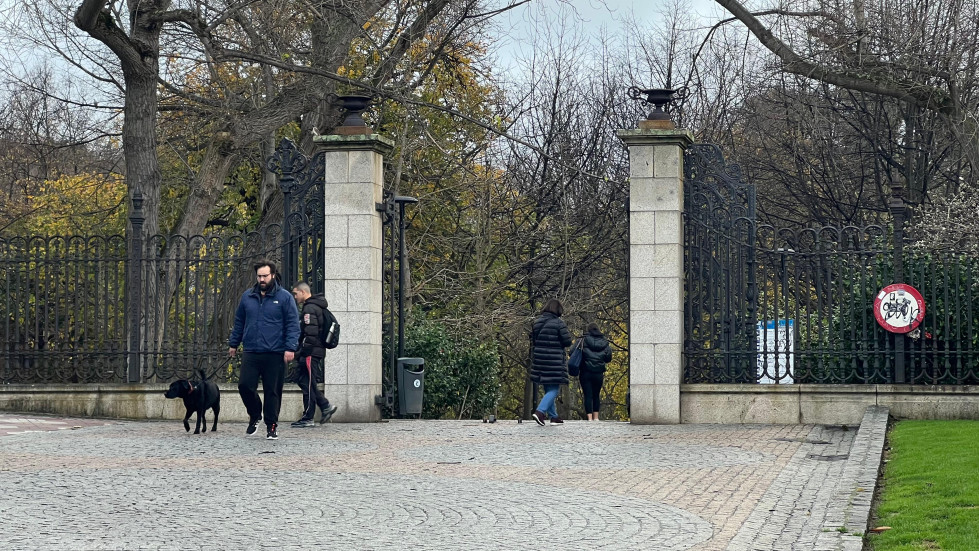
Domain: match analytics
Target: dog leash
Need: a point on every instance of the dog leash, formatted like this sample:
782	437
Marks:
220	366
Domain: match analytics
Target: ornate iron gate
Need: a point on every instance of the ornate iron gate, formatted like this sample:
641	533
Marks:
719	264
303	226
393	252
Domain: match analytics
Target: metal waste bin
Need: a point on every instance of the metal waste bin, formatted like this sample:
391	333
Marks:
411	385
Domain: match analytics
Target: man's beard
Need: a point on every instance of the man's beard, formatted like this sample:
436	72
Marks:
264	285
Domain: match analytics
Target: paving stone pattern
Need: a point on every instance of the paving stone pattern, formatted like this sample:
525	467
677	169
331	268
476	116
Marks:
18	424
848	515
422	485
791	514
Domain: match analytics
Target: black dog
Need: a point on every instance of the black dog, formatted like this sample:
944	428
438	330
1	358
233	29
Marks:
198	396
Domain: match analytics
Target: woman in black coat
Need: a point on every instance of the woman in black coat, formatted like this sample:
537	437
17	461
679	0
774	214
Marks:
595	353
549	364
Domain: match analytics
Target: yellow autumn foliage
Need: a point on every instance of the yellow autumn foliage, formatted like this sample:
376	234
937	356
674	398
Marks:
80	204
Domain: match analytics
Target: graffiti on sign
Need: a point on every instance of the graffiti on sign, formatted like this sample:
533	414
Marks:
899	308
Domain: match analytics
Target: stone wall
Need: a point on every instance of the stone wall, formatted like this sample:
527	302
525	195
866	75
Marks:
822	404
135	402
724	404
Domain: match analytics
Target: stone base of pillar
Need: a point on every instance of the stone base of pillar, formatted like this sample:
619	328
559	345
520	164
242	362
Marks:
654	404
355	403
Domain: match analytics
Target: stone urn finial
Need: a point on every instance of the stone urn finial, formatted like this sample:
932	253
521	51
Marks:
353	123
661	99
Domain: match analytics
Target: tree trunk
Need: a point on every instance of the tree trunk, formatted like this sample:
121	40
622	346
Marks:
138	56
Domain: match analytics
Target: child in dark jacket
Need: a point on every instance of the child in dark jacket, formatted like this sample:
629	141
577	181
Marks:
596	352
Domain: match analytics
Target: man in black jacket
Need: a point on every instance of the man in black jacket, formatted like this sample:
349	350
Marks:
314	321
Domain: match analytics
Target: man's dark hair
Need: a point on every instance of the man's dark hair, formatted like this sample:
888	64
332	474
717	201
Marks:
303	286
262	262
554	306
593	328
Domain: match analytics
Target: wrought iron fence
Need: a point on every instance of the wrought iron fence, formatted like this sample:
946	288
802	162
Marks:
73	314
771	305
63	297
112	309
191	289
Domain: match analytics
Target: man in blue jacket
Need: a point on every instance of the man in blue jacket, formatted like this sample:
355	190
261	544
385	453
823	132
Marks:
267	324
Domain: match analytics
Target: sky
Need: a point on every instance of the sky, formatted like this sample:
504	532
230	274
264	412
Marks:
600	11
591	15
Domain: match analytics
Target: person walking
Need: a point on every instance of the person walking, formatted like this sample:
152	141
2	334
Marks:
267	325
314	321
595	353
549	364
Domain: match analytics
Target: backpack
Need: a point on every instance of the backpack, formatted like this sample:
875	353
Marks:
331	332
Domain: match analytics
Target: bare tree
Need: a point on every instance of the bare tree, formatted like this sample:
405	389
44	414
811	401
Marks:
921	57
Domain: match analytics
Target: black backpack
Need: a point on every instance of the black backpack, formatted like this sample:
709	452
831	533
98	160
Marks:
331	331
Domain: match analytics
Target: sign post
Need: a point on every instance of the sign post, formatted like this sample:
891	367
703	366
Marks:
899	308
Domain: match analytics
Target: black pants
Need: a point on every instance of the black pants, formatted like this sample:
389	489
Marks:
591	387
271	367
309	375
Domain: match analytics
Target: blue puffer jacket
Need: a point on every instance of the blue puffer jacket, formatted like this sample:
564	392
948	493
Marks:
266	324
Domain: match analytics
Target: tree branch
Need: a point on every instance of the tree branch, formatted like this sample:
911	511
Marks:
928	97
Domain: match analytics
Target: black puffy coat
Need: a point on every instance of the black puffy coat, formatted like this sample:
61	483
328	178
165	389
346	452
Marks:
314	317
596	352
549	364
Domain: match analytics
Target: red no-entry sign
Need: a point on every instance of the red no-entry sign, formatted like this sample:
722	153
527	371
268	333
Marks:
899	308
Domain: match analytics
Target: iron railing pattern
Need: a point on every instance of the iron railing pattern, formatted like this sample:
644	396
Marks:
69	310
127	309
63	309
821	284
776	305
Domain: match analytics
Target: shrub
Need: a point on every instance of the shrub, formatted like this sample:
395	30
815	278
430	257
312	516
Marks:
461	373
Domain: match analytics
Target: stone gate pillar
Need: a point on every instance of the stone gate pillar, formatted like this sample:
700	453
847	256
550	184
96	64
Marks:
353	268
655	269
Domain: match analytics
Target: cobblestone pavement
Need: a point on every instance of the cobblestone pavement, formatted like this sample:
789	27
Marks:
421	485
19	424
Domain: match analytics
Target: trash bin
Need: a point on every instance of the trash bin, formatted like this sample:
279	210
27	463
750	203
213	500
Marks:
411	385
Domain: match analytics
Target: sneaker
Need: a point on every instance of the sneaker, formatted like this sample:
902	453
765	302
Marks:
271	433
557	421
252	427
304	424
539	417
327	413
299	423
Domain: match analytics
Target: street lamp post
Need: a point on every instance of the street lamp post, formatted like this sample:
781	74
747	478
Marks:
401	201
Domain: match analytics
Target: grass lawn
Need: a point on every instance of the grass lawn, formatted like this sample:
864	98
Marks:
930	495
